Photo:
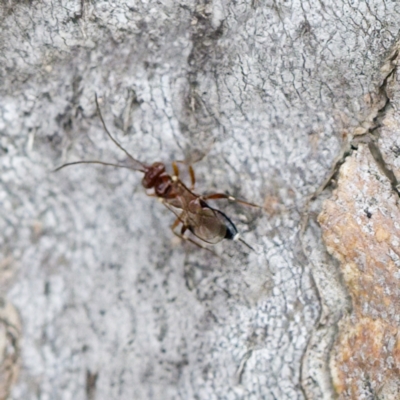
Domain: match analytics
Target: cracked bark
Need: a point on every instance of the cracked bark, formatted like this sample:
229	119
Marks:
360	228
271	99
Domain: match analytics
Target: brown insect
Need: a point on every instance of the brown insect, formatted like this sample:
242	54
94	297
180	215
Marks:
192	212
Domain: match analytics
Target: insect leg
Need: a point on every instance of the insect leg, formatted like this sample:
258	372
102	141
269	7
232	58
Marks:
182	236
190	169
192	177
176	170
175	224
196	243
218	196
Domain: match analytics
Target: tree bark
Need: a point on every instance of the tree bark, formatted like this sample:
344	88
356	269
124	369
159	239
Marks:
268	100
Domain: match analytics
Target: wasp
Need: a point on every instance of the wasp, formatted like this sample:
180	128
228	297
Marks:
193	213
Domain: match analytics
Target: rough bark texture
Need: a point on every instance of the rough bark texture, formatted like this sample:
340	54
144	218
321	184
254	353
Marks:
361	228
112	307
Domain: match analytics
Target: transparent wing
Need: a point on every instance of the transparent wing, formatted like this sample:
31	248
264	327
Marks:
207	225
204	222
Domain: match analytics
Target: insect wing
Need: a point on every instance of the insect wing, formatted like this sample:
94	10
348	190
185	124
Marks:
207	225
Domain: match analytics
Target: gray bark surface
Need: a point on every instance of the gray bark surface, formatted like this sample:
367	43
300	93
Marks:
112	306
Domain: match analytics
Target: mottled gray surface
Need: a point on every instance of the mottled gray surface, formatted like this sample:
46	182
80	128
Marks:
267	90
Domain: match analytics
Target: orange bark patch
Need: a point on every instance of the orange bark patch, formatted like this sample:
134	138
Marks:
361	228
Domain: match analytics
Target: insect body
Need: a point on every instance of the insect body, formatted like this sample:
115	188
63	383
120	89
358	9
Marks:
192	212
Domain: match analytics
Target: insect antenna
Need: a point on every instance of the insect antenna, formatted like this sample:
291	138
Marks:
143	167
95	162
